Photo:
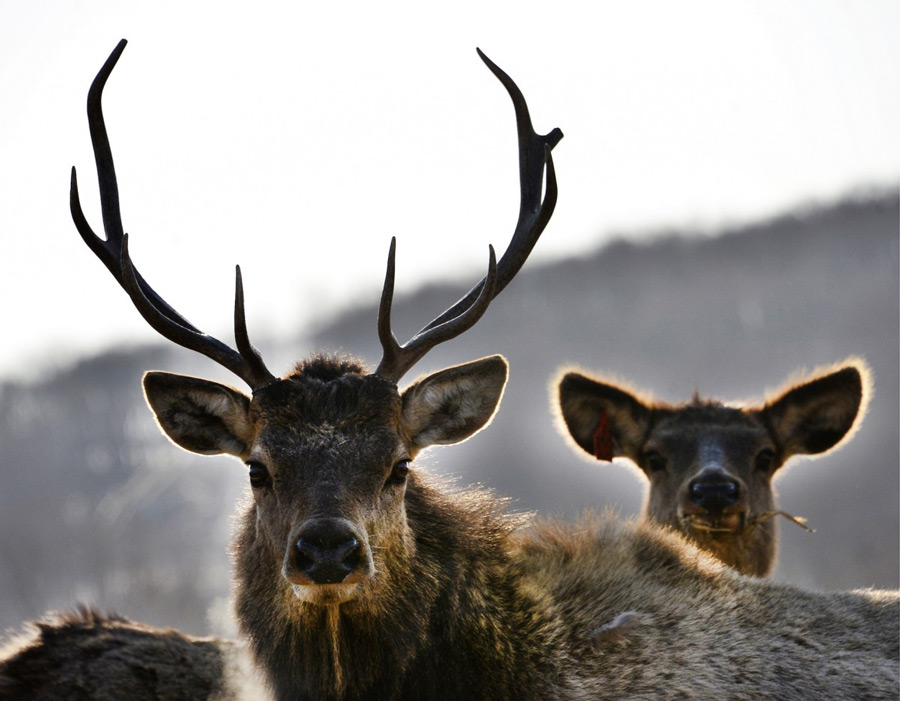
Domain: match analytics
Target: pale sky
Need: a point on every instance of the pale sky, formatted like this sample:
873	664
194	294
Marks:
296	139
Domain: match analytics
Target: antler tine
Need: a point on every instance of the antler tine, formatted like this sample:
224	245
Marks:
391	349
534	213
398	359
113	252
254	374
260	375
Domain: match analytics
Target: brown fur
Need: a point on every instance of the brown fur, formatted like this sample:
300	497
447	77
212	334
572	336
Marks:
85	655
707	442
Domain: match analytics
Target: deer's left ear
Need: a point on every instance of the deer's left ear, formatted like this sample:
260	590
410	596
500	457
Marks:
816	415
453	404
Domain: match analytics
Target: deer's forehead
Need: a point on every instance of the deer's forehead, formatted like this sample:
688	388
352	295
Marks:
344	404
726	431
354	419
328	447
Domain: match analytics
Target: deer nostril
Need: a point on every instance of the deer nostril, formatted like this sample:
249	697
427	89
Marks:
327	557
305	555
714	494
348	554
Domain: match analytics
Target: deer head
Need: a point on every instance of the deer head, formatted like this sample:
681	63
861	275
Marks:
328	447
710	466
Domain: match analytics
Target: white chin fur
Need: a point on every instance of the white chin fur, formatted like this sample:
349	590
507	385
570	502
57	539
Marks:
324	594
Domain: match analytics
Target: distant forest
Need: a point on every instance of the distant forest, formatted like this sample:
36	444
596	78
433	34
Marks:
96	506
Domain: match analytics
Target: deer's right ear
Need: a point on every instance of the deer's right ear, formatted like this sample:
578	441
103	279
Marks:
604	420
201	416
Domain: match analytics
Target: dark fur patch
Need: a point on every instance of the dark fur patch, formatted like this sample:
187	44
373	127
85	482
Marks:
86	654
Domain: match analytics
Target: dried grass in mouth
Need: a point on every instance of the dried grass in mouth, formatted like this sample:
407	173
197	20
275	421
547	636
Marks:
699	524
799	520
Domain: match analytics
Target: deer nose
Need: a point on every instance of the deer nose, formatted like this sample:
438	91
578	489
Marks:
326	551
714	492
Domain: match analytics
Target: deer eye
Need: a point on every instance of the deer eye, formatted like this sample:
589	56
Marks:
259	475
654	462
765	459
398	473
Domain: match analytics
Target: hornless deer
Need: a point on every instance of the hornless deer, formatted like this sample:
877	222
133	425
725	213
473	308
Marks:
710	466
359	577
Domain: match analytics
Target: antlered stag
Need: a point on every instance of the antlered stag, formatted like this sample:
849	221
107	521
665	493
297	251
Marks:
710	466
360	577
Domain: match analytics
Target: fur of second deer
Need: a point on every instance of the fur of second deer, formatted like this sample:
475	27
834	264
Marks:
710	466
651	616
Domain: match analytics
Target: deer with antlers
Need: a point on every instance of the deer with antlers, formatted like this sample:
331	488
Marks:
361	577
357	576
710	466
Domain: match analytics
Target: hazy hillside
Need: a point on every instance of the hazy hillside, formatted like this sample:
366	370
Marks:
95	505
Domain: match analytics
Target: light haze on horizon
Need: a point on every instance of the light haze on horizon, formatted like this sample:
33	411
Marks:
297	140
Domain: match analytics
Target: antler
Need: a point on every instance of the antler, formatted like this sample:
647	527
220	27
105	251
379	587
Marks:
246	362
534	213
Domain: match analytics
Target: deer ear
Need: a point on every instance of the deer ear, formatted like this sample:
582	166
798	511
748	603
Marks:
453	404
201	416
604	420
816	415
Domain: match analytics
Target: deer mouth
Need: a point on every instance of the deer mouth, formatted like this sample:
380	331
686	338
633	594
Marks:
326	594
714	526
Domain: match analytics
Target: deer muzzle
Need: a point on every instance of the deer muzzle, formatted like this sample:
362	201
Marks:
327	551
714	503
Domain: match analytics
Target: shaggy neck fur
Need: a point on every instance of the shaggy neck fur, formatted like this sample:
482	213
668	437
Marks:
448	621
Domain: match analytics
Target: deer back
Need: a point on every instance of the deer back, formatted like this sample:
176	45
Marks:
652	616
